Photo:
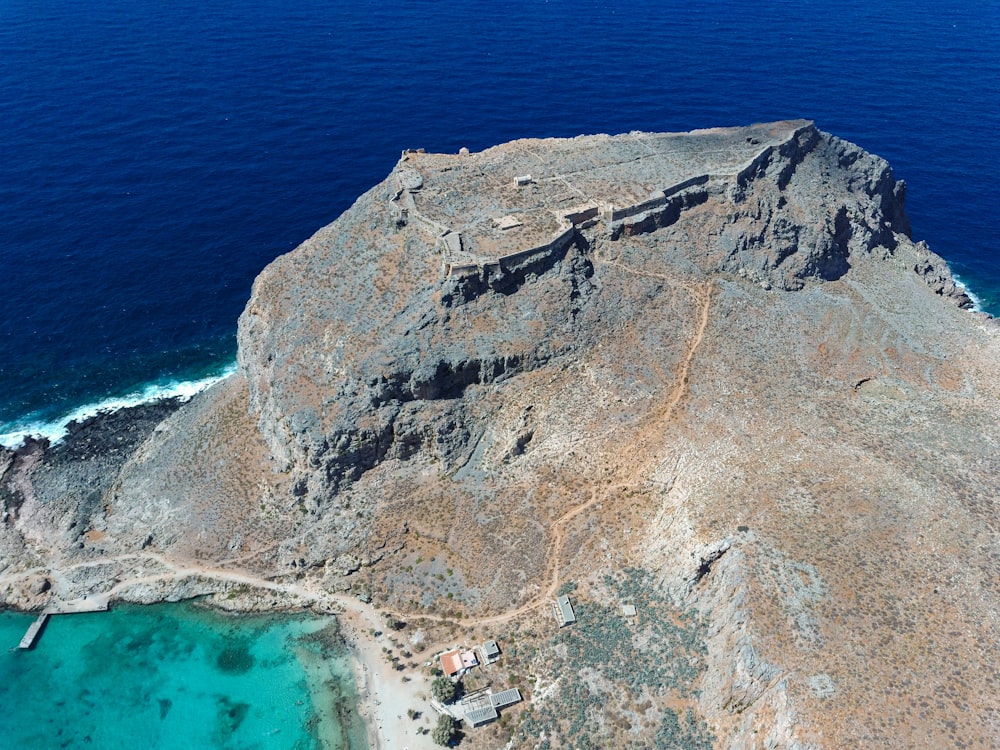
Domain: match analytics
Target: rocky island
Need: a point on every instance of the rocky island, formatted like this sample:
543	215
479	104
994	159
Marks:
704	384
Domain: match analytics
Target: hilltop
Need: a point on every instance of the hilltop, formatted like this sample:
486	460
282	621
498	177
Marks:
708	374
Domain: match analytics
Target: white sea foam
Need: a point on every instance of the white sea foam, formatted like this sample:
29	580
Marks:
977	302
13	433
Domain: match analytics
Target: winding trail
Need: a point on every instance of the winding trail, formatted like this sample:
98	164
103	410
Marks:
627	469
385	697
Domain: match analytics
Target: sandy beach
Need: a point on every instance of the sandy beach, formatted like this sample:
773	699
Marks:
385	697
385	694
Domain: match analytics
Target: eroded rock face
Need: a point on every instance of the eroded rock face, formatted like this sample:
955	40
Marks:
369	361
717	356
50	495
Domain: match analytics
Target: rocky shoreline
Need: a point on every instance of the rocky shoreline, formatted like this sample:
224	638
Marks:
109	436
52	491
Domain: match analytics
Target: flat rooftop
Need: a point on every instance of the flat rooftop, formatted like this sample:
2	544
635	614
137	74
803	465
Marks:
505	698
564	611
490	650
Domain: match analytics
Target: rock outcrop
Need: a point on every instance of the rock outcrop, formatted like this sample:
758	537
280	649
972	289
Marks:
716	356
369	386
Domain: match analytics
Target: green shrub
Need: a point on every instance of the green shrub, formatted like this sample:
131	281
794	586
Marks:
660	651
443	690
444	730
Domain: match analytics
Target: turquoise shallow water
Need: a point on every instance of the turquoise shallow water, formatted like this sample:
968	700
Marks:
177	676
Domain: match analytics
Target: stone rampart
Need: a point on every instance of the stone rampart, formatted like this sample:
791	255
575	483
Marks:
702	179
556	244
512	260
618	214
583	217
661	209
461	269
662	212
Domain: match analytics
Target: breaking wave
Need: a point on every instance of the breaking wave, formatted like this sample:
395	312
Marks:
977	301
12	434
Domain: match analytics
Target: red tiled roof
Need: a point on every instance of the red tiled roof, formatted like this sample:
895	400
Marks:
451	662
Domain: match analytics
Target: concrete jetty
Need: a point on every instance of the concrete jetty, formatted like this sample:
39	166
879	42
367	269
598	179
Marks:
74	606
97	603
34	631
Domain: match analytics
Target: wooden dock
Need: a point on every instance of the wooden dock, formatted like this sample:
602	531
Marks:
34	631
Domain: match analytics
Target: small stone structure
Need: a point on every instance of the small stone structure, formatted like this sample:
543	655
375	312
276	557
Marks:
508	222
563	611
490	651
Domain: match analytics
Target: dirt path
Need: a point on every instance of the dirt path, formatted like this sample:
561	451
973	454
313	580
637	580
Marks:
385	695
627	469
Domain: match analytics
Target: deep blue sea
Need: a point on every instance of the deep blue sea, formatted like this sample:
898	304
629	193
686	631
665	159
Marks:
155	156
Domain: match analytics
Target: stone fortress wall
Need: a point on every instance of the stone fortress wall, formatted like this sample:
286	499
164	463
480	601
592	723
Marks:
662	207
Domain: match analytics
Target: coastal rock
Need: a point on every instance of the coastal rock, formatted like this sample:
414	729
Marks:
934	271
717	357
345	565
51	494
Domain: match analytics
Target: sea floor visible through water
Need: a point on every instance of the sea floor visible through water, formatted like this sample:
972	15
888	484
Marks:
178	676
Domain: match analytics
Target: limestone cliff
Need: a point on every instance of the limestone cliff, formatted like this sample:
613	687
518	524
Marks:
716	357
